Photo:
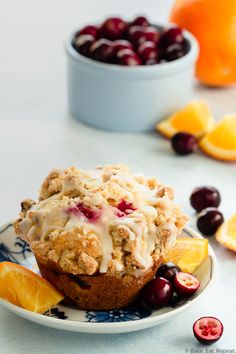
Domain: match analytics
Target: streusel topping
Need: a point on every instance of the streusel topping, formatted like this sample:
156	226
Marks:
106	220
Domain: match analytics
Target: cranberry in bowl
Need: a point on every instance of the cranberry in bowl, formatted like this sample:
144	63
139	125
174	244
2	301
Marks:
127	75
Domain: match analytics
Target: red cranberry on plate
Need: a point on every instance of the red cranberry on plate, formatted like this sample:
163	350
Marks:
209	220
121	44
137	35
140	21
184	143
83	44
157	293
101	50
147	50
171	36
168	271
127	57
208	330
113	28
185	284
204	197
152	34
92	30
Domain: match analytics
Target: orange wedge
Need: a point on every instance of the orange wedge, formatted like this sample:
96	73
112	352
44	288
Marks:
26	289
220	143
195	118
226	234
188	253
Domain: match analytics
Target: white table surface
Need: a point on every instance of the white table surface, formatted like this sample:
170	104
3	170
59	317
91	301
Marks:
37	134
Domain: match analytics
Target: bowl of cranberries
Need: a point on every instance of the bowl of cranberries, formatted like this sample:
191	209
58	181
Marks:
126	75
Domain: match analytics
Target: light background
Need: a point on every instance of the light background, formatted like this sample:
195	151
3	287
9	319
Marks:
37	134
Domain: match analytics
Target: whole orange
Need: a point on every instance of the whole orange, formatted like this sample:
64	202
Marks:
213	22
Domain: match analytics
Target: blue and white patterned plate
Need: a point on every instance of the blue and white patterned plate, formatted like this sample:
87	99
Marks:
129	319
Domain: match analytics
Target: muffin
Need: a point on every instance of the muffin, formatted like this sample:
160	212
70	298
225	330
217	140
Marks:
99	236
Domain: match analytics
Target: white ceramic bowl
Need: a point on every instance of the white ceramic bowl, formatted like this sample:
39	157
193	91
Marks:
128	99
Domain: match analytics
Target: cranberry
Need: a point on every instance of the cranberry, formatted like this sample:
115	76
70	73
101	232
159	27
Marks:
184	143
203	197
208	330
186	46
127	57
152	61
152	34
125	208
113	28
92	30
168	271
209	220
171	36
137	35
102	50
185	284
173	52
81	209
140	21
147	50
83	44
157	293
121	44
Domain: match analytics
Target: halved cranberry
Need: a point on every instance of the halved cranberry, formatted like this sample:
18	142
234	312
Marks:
157	293
90	214
127	57
185	284
121	44
209	220
140	21
137	35
171	36
147	50
184	143
208	330
92	30
152	34
113	28
205	196
83	44
102	50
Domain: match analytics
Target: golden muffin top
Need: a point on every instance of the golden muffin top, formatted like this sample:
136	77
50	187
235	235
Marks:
104	220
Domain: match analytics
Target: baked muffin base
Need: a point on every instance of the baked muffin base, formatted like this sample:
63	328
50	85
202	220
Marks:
100	291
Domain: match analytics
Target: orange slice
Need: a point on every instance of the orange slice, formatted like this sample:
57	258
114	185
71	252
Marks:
220	143
195	118
188	253
226	234
26	289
